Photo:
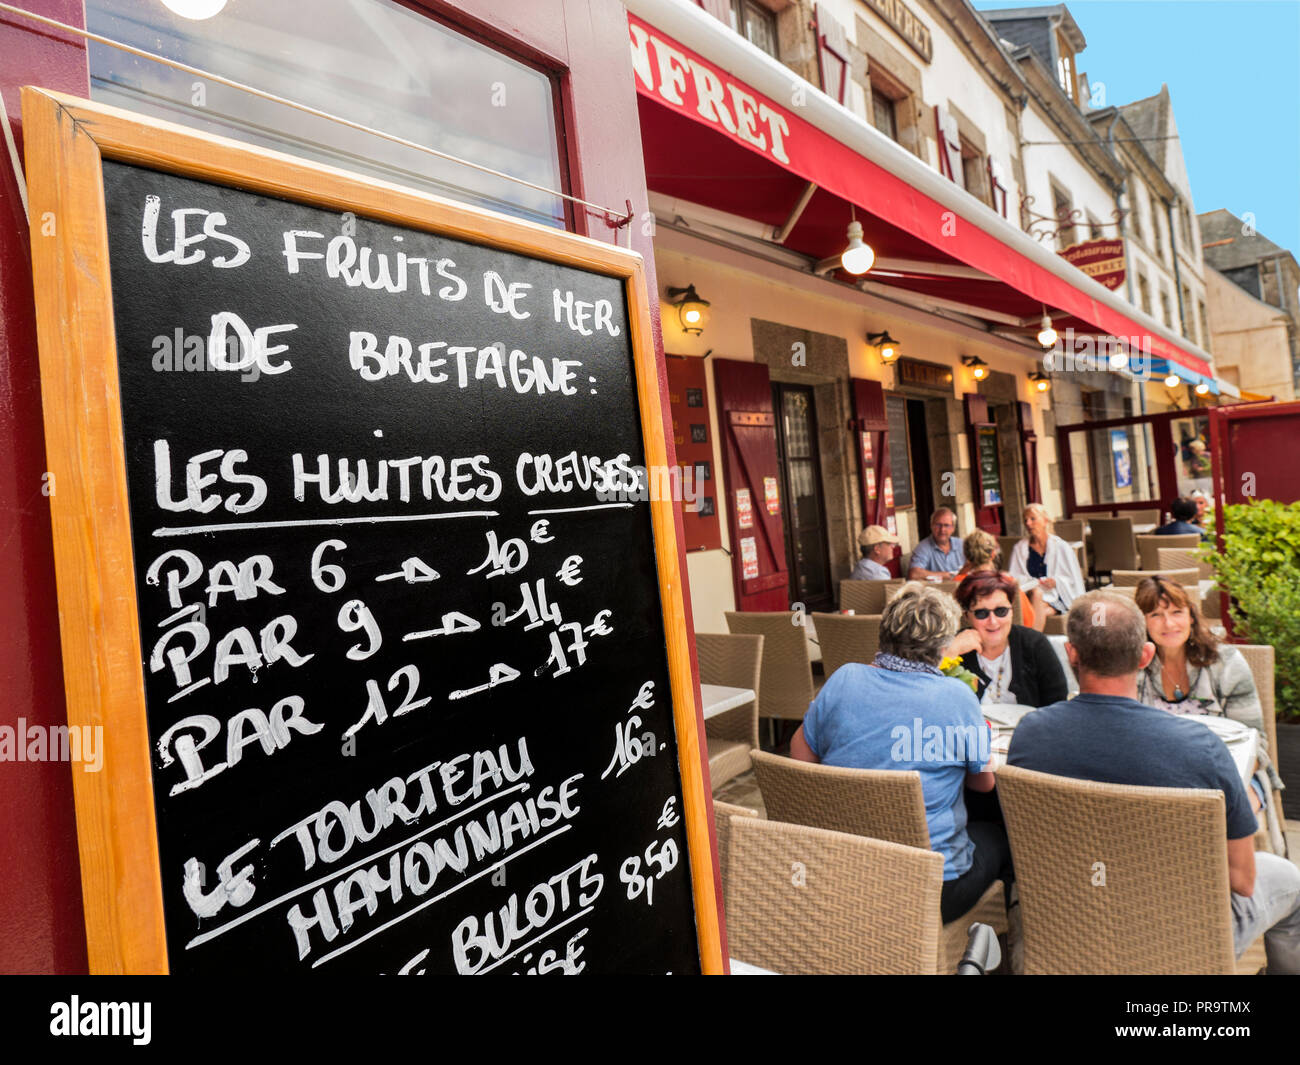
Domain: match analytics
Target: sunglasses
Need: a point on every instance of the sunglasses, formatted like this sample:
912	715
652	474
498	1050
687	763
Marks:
983	612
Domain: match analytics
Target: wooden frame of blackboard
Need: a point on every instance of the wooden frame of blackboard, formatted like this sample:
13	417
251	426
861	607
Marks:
66	140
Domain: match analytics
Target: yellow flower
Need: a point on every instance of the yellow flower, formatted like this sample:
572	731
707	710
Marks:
949	663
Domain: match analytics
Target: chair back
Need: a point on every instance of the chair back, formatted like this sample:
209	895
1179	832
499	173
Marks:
786	679
845	638
891	589
1117	878
1141	517
1150	545
1261	659
879	803
1172	558
863	597
1007	544
1188	578
723	812
735	661
1112	544
1068	529
806	901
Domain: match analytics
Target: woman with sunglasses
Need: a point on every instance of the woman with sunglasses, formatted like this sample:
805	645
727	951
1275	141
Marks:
1013	664
1192	673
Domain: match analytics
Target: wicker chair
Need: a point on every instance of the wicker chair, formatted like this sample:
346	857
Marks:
1150	545
805	901
1141	517
1092	898
1188	578
786	675
723	812
1071	530
1112	545
736	662
863	597
877	803
847	638
1261	658
1168	558
1007	544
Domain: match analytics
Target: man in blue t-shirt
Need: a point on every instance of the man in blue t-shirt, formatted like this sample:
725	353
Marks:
1105	734
940	555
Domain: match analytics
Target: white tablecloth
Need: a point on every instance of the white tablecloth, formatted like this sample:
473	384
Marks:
718	698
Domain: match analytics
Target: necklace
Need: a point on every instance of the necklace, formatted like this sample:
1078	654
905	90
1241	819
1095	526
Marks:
1001	660
1167	674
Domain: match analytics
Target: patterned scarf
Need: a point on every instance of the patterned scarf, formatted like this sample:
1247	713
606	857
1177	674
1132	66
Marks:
884	660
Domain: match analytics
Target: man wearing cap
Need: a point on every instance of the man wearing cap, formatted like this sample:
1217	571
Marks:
877	545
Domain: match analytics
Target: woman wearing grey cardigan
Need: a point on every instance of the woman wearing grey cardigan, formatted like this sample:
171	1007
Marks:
1192	673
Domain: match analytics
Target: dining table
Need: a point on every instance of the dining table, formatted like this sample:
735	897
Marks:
719	698
1241	740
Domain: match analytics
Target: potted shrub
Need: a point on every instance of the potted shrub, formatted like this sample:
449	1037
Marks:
1259	567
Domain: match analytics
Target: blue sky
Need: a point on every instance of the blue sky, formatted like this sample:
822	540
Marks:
1233	70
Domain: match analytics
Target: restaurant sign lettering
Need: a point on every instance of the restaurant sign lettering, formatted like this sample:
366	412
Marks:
1101	260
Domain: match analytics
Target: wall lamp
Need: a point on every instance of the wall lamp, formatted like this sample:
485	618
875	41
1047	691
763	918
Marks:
978	367
1040	381
886	346
692	312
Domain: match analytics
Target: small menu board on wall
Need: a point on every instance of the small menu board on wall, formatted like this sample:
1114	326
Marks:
357	570
696	485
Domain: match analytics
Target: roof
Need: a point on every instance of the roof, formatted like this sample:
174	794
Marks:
1242	248
1058	13
1149	120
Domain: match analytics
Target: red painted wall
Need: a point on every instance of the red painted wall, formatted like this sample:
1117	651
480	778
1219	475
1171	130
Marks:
583	41
40	880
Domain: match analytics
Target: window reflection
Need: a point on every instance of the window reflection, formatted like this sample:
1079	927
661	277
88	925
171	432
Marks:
369	61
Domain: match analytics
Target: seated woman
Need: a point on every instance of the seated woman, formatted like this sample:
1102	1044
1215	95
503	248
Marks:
1049	559
1013	663
1192	673
866	717
983	555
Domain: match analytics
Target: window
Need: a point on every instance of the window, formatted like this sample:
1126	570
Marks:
1205	324
1135	209
805	517
756	24
1157	244
1094	227
883	116
1065	232
1165	311
974	172
374	63
1144	292
1065	73
1189	326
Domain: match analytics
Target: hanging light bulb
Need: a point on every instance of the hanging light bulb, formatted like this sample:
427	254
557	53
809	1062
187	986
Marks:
858	256
1203	389
1047	335
1173	381
198	10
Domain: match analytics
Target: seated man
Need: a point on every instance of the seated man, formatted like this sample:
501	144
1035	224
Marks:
1184	512
939	556
1105	734
877	545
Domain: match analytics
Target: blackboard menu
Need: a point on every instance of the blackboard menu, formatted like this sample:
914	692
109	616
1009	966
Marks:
899	465
990	470
403	652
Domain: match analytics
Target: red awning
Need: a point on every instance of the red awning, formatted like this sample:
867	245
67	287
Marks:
713	140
